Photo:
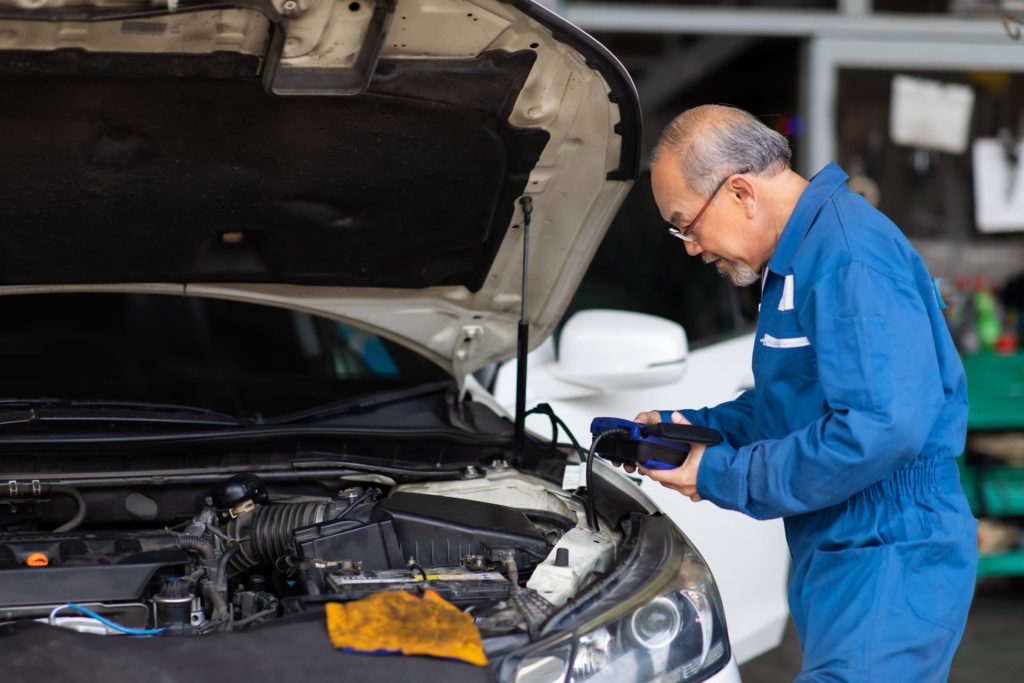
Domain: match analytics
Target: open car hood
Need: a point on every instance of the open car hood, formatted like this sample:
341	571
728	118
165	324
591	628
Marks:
361	160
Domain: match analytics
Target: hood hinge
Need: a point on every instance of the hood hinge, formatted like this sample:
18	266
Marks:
468	336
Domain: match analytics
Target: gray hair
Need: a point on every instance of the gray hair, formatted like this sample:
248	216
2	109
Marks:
712	142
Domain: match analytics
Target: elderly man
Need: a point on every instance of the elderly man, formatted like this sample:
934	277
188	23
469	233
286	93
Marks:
859	409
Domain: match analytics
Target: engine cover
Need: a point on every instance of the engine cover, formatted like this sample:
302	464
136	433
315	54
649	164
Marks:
94	567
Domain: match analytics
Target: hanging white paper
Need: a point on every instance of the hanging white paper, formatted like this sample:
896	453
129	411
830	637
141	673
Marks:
998	187
930	114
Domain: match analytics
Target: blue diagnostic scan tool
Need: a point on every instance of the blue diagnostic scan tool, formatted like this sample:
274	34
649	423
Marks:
661	446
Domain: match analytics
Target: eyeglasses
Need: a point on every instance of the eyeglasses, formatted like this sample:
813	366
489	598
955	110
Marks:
685	233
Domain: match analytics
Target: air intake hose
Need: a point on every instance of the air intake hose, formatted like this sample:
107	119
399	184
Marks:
266	533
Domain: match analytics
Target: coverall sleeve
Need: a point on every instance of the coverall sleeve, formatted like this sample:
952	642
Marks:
733	419
879	372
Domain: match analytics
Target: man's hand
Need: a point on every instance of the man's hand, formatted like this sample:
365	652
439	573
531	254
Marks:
683	478
651	417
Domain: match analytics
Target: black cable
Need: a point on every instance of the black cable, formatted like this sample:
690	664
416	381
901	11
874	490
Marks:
425	581
591	507
79	517
556	422
551	416
362	497
546	409
413	566
222	569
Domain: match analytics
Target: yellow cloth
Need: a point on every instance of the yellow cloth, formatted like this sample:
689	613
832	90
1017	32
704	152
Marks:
396	621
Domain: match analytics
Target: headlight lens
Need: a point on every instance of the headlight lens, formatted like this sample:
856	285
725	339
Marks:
656	624
671	638
675	633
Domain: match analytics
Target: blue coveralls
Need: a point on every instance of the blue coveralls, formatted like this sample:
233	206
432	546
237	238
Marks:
851	433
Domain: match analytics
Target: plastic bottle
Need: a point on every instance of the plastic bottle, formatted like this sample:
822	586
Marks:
967	339
986	315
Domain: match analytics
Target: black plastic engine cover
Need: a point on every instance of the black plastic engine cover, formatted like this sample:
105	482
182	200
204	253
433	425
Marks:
92	567
435	530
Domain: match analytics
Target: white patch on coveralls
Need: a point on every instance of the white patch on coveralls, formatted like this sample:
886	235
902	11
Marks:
786	304
785	343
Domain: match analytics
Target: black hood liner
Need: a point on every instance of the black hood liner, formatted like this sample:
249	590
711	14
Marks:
131	168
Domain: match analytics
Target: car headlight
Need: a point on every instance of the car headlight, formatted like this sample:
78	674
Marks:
657	618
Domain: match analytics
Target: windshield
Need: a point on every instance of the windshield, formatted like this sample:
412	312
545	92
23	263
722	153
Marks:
242	359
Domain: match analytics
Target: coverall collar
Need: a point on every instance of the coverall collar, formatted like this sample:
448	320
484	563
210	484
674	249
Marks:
814	196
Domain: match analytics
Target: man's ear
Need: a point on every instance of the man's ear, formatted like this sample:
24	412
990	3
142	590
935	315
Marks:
742	191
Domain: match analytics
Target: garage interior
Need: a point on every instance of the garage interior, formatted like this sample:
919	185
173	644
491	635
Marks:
367	323
827	74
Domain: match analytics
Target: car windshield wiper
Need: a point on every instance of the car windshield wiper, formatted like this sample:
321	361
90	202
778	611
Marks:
359	404
19	411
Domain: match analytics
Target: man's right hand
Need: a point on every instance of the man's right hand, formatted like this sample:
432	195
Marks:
651	417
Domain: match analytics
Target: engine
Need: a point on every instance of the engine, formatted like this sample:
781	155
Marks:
248	556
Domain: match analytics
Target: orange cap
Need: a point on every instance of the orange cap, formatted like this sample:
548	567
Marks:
37	560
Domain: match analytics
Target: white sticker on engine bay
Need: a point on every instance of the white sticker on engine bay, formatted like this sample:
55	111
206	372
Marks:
575	476
572	477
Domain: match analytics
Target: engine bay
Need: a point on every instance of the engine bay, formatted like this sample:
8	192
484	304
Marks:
505	546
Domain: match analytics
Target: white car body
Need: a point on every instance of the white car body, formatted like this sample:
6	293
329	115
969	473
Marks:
749	558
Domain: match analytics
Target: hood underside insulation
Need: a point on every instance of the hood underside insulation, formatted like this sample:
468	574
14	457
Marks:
178	168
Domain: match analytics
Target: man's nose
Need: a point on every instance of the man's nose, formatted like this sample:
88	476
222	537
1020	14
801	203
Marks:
692	248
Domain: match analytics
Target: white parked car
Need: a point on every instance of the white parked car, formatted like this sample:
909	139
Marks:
251	254
616	363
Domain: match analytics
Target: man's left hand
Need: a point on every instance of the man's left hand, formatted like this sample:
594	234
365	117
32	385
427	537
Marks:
683	478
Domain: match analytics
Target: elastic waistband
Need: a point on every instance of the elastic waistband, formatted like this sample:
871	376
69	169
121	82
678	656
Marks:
922	476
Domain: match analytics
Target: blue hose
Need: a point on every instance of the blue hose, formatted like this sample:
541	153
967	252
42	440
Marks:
107	622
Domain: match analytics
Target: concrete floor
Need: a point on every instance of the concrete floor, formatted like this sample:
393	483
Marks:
992	649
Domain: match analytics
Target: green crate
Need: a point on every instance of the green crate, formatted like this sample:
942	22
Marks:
1002	491
995	390
969	482
1003	564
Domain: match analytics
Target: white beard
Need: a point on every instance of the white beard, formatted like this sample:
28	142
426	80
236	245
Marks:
740	274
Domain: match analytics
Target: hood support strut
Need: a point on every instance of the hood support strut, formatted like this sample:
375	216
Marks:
523	338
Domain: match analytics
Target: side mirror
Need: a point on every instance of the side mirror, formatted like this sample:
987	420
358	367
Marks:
614	350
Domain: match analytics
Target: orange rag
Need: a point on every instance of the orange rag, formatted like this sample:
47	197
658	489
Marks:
396	621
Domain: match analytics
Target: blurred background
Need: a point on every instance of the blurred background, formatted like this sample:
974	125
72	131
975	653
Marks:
922	103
